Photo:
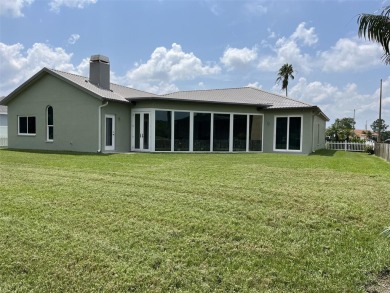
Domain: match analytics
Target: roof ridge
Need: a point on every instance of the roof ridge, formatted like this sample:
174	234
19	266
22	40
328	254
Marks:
205	90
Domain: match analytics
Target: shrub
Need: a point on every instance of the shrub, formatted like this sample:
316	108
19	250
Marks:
369	149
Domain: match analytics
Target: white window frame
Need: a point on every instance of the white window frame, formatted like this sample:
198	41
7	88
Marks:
49	125
288	133
113	134
27	134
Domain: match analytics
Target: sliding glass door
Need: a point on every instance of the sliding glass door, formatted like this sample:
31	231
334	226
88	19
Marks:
202	132
141	131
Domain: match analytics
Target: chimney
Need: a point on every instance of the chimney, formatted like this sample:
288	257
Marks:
99	71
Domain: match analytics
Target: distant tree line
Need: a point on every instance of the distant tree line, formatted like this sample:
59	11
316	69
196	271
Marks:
343	129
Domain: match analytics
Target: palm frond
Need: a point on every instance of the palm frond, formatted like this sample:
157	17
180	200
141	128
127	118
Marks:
376	28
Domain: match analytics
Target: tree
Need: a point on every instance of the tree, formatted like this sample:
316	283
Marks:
379	127
285	72
341	129
376	28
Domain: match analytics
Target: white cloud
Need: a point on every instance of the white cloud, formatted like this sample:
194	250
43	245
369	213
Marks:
255	85
287	50
338	102
13	7
308	36
256	8
167	65
234	58
73	39
351	54
17	65
55	5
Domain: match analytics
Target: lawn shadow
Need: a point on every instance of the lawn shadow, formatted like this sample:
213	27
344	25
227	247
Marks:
56	152
324	153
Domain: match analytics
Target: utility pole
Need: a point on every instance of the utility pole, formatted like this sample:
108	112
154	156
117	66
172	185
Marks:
380	113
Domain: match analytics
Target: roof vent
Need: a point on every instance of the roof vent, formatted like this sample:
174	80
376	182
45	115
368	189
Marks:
99	71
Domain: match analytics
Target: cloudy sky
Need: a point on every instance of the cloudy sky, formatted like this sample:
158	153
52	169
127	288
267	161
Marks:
167	45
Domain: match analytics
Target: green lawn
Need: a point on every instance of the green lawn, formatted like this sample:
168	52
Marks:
192	222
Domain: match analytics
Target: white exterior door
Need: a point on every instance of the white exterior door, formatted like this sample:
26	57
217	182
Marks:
140	139
109	133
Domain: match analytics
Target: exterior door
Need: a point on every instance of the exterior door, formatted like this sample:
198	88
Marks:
110	133
141	131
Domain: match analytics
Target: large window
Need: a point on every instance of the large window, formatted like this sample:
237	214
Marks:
26	125
163	130
221	132
182	131
288	133
50	123
202	131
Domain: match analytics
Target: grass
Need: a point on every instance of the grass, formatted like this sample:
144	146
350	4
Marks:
192	222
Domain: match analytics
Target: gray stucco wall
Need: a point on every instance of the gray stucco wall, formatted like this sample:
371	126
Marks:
121	112
75	117
319	128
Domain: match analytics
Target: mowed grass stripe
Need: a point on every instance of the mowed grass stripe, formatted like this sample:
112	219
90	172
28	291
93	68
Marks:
192	223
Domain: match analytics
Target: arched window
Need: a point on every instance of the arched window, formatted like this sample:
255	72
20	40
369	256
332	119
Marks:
50	123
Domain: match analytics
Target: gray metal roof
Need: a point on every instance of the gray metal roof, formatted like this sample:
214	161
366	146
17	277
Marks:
118	93
243	96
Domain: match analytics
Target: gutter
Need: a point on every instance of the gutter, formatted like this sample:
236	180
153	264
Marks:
100	126
312	132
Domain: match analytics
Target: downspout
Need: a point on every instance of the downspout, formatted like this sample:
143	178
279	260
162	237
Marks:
312	132
100	127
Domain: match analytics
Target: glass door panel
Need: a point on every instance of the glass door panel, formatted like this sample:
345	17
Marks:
141	131
109	132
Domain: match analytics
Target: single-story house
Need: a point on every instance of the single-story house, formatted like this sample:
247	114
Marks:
3	121
59	111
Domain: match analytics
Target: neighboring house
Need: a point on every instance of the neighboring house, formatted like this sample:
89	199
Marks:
55	110
3	121
362	134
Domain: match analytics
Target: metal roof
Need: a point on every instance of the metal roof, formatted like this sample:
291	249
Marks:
243	96
118	93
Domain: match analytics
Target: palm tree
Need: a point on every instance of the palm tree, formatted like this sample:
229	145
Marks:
376	28
285	72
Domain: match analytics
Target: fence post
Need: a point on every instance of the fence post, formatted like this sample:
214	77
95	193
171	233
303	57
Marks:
345	145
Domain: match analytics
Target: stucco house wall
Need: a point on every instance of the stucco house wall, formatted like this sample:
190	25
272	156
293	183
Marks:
75	117
121	112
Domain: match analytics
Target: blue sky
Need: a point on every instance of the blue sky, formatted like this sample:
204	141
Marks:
162	46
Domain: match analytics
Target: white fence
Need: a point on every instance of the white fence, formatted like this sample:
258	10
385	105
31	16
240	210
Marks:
3	142
347	146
